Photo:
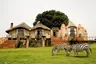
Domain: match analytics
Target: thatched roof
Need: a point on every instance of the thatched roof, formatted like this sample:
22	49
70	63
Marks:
55	28
71	24
22	25
39	25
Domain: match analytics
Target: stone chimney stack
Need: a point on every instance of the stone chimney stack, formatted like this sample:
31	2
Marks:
11	26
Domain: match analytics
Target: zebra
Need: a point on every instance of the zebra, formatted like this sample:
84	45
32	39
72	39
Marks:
59	47
79	47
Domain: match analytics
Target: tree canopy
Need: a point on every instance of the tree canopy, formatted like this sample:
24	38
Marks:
51	18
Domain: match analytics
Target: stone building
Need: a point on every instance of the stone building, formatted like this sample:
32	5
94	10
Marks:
22	30
44	34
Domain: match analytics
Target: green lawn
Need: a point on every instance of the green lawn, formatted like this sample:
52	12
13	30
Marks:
42	55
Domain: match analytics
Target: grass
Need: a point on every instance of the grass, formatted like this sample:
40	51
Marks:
42	55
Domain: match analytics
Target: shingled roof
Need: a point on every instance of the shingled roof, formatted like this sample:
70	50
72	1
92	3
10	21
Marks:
39	25
22	25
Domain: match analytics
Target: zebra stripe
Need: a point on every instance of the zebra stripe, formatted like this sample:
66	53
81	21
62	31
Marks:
79	48
59	47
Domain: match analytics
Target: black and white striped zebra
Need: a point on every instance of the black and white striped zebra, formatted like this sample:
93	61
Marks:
79	48
59	47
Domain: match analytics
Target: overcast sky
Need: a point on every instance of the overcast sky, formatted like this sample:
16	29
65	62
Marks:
18	11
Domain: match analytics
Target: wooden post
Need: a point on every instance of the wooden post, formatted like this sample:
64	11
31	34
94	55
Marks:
27	43
17	41
43	40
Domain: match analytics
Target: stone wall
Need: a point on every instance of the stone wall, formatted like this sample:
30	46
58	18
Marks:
3	39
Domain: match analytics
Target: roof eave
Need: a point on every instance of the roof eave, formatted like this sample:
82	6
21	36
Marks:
41	28
72	26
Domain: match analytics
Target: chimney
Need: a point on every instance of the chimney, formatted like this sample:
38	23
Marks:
11	26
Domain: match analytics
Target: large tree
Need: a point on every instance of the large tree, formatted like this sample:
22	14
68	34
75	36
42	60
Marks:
51	18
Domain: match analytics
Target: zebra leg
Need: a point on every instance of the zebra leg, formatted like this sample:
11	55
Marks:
87	51
90	50
58	51
53	51
67	52
75	53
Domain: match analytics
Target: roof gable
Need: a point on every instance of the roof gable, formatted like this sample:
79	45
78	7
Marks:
71	24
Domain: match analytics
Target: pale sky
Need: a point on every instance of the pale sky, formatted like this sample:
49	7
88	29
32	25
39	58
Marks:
18	11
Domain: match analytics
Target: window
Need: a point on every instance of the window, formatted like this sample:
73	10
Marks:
20	33
54	34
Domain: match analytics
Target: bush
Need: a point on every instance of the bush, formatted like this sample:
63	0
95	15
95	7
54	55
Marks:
35	43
